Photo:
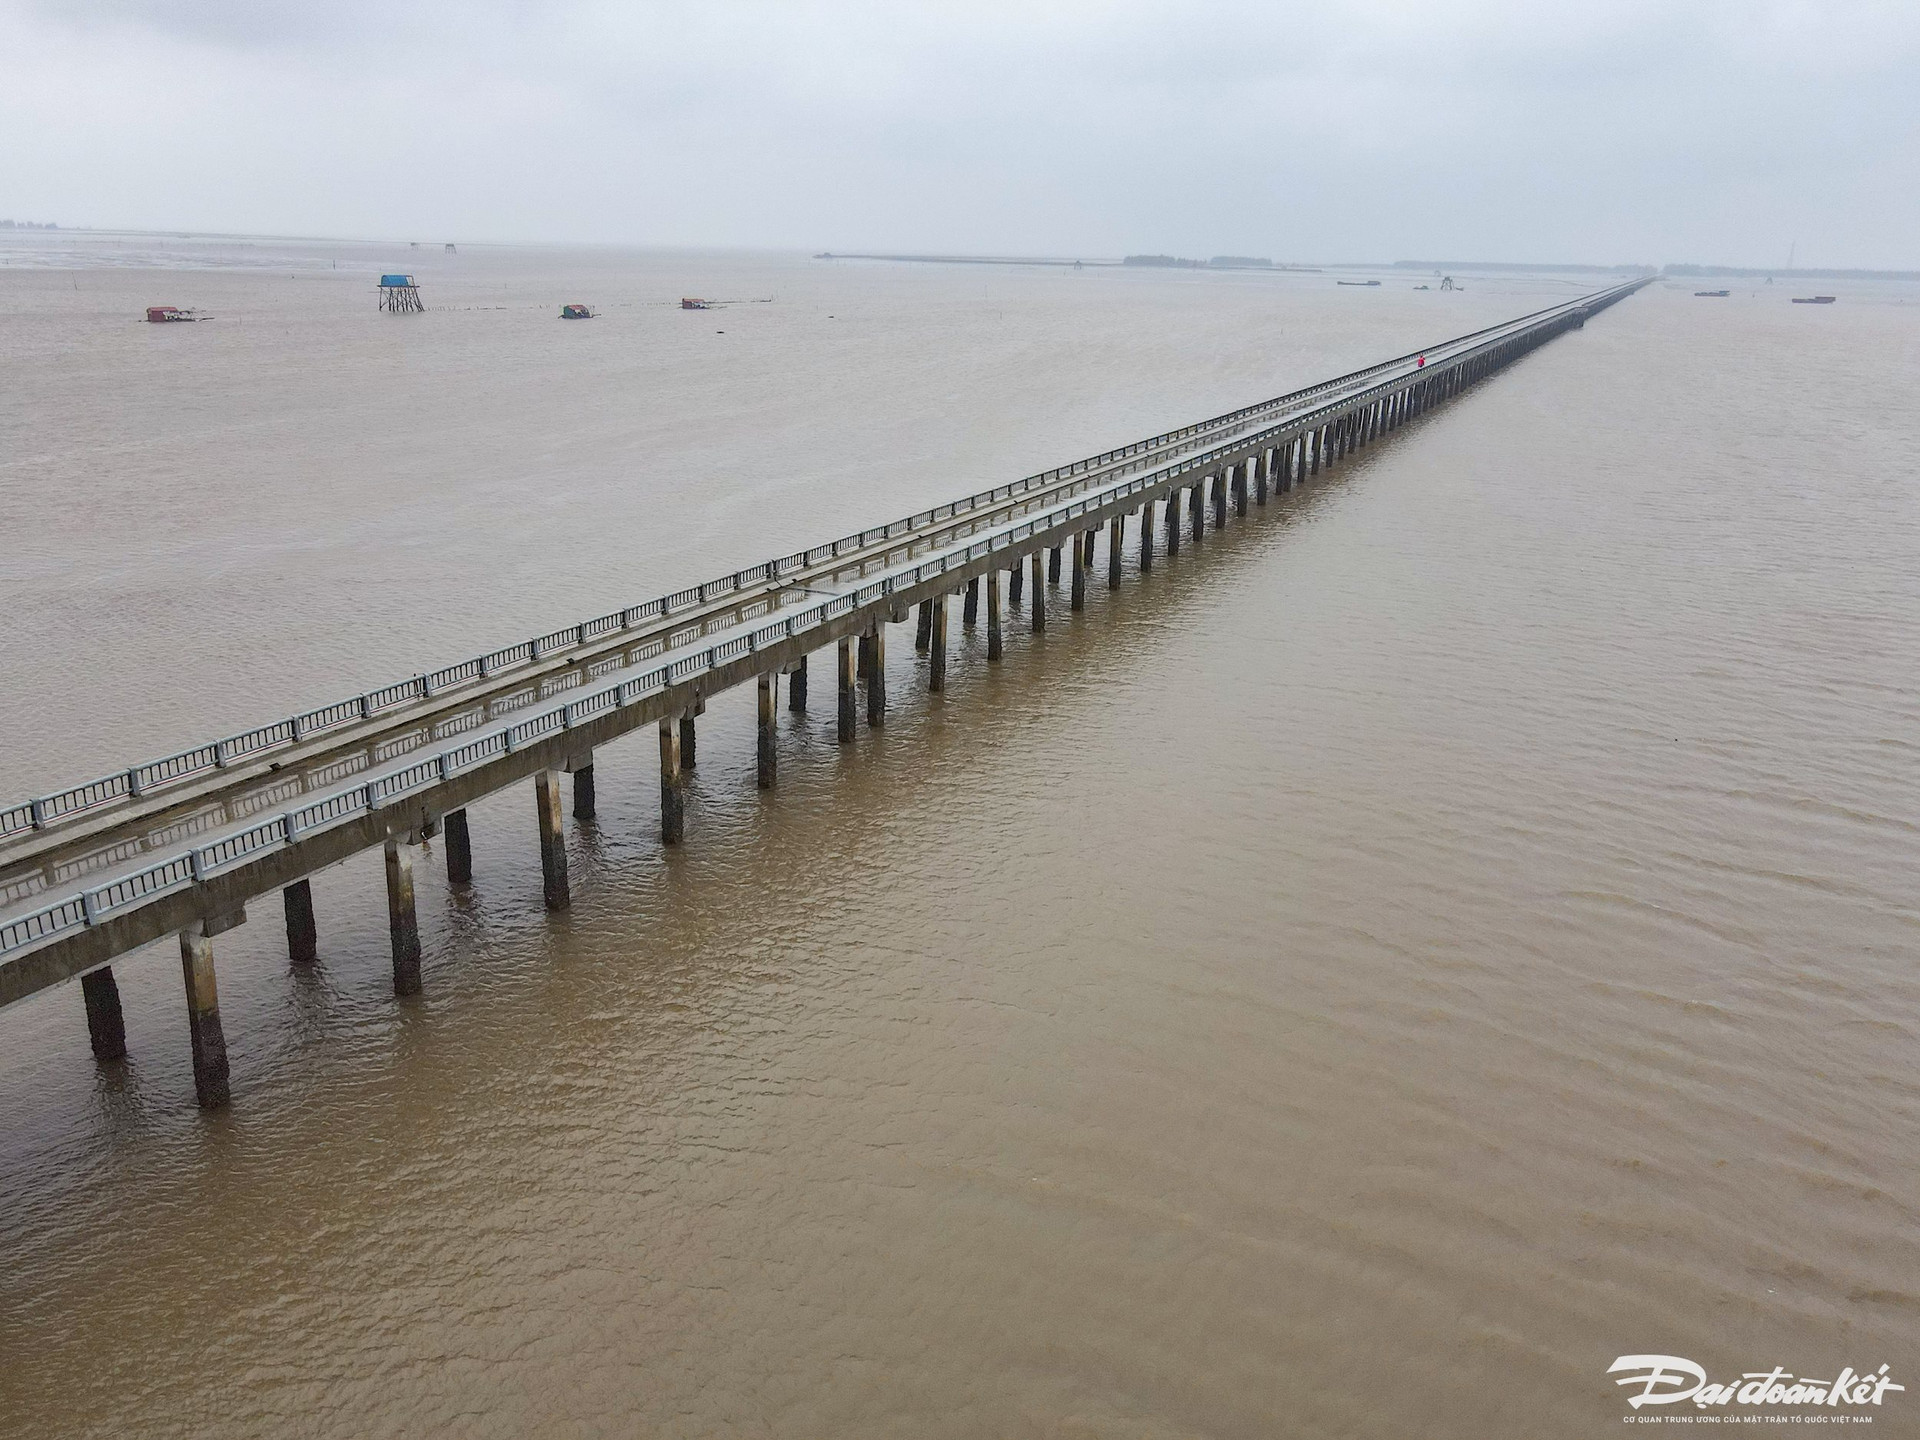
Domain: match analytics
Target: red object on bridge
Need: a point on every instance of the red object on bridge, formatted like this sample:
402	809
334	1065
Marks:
1421	361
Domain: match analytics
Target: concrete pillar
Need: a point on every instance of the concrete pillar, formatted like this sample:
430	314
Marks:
553	847
1174	500
687	739
1197	498
970	608
797	687
403	924
303	936
203	1020
937	648
1116	537
1262	468
923	631
106	1027
459	848
1146	536
1221	483
1240	478
673	784
1037	608
877	675
1319	440
848	695
1091	539
766	756
1078	601
1053	568
995	645
1014	582
582	790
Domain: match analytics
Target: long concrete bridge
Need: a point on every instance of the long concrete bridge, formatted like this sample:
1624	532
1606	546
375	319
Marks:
179	846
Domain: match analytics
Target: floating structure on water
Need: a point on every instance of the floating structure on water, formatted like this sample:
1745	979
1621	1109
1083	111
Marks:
575	312
177	848
399	295
1710	294
1813	299
1362	283
689	303
172	315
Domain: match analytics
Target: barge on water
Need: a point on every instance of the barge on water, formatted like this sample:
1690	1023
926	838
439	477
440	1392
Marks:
172	315
1813	299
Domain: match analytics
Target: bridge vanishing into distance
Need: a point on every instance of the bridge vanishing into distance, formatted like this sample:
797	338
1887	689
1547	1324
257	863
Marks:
181	845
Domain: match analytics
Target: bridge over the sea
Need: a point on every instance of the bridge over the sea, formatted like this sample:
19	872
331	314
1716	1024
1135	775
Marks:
180	846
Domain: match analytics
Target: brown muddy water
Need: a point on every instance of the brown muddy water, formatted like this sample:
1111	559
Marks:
1451	929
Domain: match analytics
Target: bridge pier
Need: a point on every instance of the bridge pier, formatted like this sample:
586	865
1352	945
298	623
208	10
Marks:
1222	482
459	847
970	609
1240	487
403	923
923	632
1175	498
1116	538
673	797
106	1026
1037	607
995	646
1146	536
687	736
1078	600
553	843
937	648
582	772
1053	568
766	756
797	687
1262	468
877	674
303	936
210	1077
1197	499
849	696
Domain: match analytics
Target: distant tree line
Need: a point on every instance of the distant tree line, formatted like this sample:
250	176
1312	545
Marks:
26	225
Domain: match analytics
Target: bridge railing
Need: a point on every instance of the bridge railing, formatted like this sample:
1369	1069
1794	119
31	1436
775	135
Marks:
144	779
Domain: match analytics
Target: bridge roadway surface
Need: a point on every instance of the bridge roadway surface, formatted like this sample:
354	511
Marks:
92	872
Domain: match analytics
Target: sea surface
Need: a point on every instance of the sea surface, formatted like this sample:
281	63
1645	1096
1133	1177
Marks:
1450	929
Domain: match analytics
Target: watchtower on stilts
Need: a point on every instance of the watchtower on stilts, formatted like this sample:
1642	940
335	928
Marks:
399	295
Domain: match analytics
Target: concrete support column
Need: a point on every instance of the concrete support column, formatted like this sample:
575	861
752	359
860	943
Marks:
849	709
106	1027
970	607
1240	479
877	675
1174	501
1037	607
1197	498
403	923
1116	537
1146	536
1079	597
553	840
995	645
303	936
937	651
797	687
459	847
1014	583
1318	441
1222	483
1053	568
673	784
766	756
582	790
203	1020
687	739
923	631
1262	468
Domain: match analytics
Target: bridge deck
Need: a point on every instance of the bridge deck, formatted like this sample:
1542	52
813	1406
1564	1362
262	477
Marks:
92	872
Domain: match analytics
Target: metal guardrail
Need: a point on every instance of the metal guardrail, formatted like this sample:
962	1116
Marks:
210	858
144	779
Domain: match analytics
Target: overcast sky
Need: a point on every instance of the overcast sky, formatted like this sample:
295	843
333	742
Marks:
1598	130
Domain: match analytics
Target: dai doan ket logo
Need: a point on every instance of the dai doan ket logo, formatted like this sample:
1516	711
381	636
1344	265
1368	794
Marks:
1669	1379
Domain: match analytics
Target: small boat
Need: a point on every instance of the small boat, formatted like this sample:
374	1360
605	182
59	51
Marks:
1710	294
575	312
1813	299
1356	282
688	304
172	314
